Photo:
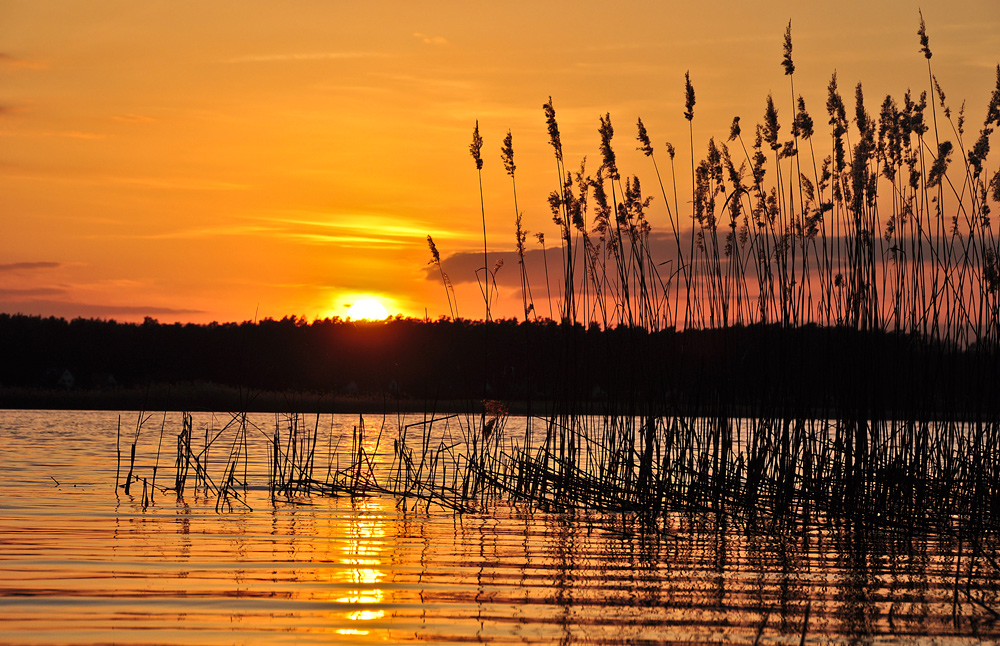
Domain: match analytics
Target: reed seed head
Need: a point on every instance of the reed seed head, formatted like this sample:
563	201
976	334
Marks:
688	97
476	147
920	127
786	61
573	206
759	160
922	32
643	138
507	154
803	126
607	132
550	121
835	104
838	119
993	110
735	176
995	187
583	188
603	214
889	138
979	151
940	94
555	205
734	130
771	126
865	124
940	165
435	256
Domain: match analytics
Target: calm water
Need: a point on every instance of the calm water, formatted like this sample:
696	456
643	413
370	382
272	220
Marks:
84	563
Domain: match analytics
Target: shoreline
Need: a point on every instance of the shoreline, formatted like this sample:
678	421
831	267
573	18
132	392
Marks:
202	397
207	398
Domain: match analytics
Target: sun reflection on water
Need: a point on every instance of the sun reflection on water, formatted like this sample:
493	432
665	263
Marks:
362	553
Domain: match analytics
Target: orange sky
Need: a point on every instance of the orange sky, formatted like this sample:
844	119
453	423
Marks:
219	161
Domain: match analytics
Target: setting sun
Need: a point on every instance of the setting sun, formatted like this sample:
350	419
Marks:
367	309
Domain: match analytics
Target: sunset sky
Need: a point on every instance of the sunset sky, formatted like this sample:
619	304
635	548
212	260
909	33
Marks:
221	161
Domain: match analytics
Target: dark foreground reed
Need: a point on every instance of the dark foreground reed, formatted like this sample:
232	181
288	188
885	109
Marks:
778	479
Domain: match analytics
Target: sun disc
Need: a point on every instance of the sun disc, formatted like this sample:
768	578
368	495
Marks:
367	309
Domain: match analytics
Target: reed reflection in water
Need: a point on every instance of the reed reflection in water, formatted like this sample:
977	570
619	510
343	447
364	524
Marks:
82	565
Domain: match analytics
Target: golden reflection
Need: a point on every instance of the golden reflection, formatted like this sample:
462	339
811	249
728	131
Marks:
362	553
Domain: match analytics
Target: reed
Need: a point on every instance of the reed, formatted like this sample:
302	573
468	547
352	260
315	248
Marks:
860	238
449	290
776	260
804	242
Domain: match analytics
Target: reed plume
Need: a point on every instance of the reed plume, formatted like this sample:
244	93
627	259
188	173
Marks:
449	291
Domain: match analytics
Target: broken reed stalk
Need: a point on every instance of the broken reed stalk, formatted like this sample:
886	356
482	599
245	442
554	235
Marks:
184	456
131	465
156	463
118	452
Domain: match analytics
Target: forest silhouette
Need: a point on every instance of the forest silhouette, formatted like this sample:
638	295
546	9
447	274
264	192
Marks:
542	366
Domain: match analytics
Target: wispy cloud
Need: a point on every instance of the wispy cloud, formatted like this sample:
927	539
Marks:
161	183
75	134
180	183
366	242
311	232
133	118
355	230
71	309
430	40
305	56
432	82
31	293
9	60
220	231
66	134
29	266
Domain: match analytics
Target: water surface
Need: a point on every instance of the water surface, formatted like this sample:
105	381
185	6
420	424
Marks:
82	562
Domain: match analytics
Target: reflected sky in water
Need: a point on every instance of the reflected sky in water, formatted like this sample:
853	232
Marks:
84	564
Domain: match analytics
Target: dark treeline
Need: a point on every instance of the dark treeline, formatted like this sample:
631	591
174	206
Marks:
803	370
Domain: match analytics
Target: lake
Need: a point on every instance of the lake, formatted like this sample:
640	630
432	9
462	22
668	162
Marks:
83	562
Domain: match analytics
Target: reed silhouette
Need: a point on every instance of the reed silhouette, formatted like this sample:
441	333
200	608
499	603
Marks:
819	355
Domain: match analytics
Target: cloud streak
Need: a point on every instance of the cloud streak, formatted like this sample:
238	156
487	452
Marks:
360	231
180	183
133	118
431	40
29	266
303	57
206	232
9	60
34	293
70	309
61	134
